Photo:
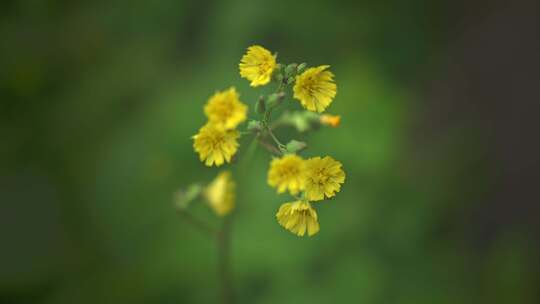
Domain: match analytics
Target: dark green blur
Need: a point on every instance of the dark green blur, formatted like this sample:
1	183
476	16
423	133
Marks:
98	104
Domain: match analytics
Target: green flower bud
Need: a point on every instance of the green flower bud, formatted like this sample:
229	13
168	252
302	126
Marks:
290	69
301	67
183	198
295	146
260	106
275	99
254	126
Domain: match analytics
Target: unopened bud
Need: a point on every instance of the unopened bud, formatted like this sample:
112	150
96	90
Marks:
260	106
295	146
290	80
275	99
290	69
254	126
301	67
183	198
330	120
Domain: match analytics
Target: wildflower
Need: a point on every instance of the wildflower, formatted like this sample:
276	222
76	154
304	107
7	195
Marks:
330	120
225	109
287	173
257	65
220	193
297	217
215	144
315	88
324	177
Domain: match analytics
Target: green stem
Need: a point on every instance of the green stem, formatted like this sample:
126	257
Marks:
224	263
197	224
270	147
268	116
274	138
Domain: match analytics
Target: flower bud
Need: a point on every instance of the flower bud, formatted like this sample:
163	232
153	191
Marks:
260	106
330	120
254	126
182	198
295	146
275	99
290	69
301	67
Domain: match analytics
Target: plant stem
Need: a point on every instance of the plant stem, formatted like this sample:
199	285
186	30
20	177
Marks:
266	120
274	138
198	224
224	264
270	147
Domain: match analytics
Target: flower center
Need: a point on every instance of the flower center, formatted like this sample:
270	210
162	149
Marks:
216	140
321	176
264	67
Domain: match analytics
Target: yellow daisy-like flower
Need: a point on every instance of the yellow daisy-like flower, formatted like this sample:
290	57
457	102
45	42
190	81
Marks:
315	88
324	177
215	144
287	173
330	120
297	217
220	194
257	65
226	109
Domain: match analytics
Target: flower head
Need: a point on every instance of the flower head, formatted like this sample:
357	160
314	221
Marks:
330	120
315	88
297	217
220	193
324	177
225	109
287	173
257	65
215	144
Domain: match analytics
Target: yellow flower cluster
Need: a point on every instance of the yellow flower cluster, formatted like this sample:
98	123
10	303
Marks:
317	178
307	180
217	141
314	88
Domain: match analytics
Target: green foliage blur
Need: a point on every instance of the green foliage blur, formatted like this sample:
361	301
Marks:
99	101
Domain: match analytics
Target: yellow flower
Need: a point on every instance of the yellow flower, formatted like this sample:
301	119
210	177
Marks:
297	217
220	194
257	65
330	120
315	88
287	173
215	144
324	177
225	109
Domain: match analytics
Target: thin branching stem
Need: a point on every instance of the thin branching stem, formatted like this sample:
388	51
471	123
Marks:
197	223
224	261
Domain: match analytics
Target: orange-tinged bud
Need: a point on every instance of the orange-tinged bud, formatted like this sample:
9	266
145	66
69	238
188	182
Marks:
330	120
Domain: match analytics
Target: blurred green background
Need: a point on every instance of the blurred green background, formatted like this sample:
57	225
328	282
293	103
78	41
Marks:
98	103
